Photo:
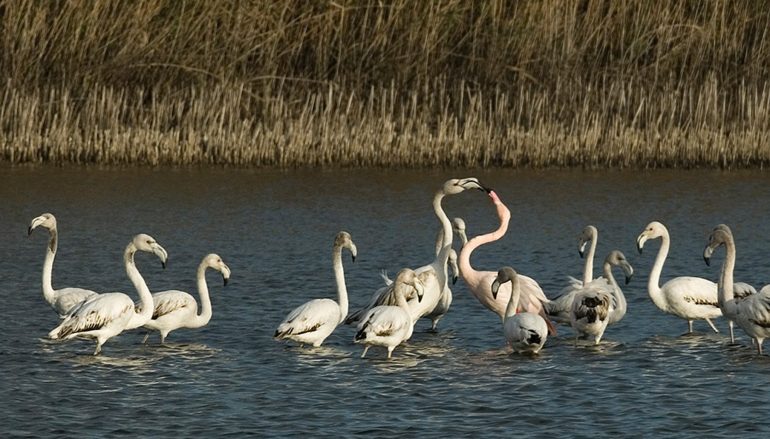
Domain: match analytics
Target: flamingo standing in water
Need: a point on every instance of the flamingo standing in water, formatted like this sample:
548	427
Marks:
106	315
313	321
434	275
480	282
687	297
62	300
559	308
526	332
752	313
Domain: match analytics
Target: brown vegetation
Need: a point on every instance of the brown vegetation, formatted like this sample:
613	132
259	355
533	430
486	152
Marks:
386	83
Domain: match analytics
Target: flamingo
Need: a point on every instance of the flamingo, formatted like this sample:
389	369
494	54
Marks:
385	296
313	321
751	313
445	301
106	315
687	297
176	309
600	302
559	308
64	299
480	282
525	332
433	275
388	325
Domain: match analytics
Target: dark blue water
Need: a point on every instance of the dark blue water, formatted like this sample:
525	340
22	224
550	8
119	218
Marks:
275	231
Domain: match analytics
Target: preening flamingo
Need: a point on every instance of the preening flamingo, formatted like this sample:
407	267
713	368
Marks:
388	325
600	302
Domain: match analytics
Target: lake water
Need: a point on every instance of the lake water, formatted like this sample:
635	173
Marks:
275	231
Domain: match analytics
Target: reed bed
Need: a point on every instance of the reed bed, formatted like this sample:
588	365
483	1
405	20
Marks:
399	83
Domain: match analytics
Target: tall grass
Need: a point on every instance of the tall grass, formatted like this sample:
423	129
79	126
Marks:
386	83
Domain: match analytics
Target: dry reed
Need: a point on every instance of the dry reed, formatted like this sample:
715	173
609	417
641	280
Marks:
399	83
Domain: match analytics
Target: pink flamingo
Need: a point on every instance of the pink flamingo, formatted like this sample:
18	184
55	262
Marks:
480	282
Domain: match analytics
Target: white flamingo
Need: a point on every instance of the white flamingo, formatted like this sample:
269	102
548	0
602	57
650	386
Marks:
107	315
64	299
315	320
434	275
525	332
176	309
559	308
687	297
751	313
388	325
600	302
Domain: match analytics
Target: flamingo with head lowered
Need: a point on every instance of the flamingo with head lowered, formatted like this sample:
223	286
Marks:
480	282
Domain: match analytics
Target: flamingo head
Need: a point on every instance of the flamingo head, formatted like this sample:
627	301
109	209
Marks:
457	185
343	240
616	258
652	231
214	261
719	236
505	274
147	243
588	234
46	220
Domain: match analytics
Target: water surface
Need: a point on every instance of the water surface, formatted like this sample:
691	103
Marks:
275	231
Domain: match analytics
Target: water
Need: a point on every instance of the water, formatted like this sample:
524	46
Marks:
275	231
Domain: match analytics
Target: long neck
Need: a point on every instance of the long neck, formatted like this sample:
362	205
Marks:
138	318
470	275
446	238
620	298
50	254
513	302
203	318
653	284
339	278
439	240
725	291
403	304
588	270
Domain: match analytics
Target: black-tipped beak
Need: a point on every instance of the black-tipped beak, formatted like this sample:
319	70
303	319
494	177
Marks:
354	257
495	287
628	279
581	253
226	279
454	279
29	230
638	247
486	189
707	260
163	264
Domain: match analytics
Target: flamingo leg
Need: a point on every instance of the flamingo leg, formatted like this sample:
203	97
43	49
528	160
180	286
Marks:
710	324
366	348
146	336
689	326
732	331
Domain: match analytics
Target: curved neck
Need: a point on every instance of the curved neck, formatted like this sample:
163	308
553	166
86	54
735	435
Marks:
138	318
725	294
439	240
446	226
50	254
620	298
403	304
588	270
339	278
464	260
203	292
653	284
513	302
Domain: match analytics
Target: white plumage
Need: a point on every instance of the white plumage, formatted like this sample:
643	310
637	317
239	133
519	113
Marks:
752	313
525	332
62	300
175	309
313	321
106	315
388	325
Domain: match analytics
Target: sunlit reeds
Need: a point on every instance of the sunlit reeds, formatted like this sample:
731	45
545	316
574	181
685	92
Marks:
399	83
